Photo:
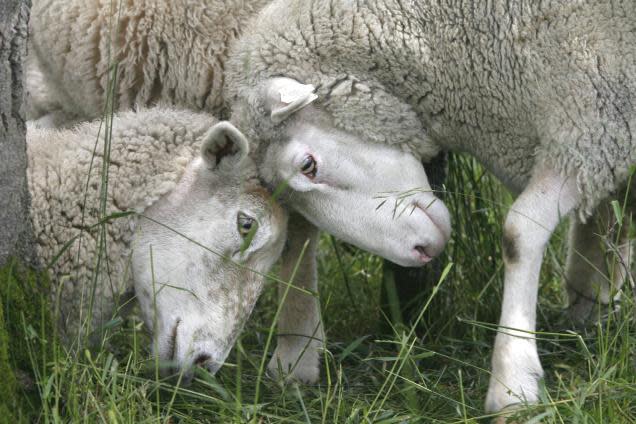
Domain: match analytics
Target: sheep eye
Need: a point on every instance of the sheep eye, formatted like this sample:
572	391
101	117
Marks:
246	224
309	166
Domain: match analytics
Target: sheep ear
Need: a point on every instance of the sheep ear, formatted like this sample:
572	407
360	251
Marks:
222	143
287	96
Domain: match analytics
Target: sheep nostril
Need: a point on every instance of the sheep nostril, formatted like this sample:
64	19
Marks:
202	360
423	254
206	362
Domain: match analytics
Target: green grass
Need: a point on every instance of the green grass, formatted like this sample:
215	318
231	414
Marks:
435	372
25	318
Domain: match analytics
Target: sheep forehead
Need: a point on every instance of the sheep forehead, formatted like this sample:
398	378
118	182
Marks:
252	199
257	197
211	221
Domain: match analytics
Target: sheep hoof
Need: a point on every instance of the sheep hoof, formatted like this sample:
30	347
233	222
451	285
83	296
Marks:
584	312
509	415
501	398
502	401
516	372
285	366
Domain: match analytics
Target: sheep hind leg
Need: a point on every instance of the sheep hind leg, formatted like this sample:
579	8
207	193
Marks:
586	279
621	248
598	262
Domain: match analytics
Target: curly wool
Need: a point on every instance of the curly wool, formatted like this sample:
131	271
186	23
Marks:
166	52
149	152
519	85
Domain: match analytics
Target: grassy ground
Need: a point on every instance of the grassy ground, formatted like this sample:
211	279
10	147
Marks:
434	372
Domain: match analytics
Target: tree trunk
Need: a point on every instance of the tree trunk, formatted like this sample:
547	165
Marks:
405	290
16	236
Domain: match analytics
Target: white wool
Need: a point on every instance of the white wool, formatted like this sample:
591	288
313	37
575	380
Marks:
166	52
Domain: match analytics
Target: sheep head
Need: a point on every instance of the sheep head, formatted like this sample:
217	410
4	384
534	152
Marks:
366	190
201	253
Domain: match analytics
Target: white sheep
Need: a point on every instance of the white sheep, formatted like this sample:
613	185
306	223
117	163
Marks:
166	52
345	98
202	234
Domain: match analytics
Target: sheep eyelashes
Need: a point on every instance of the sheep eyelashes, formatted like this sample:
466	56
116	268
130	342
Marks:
194	293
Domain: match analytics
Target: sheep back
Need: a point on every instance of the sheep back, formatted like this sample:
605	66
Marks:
164	51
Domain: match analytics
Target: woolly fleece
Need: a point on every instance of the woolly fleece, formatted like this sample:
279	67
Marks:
149	152
166	52
517	84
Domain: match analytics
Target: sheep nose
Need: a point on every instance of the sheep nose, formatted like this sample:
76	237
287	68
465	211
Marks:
204	360
438	214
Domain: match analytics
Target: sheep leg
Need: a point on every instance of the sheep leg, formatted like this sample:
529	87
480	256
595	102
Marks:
590	279
300	331
622	256
516	368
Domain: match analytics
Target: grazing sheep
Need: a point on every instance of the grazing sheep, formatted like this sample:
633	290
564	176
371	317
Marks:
202	235
345	97
166	52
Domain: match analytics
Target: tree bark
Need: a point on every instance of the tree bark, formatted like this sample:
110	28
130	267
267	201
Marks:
17	247
16	235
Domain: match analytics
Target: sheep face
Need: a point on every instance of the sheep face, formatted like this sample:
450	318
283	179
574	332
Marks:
201	251
373	195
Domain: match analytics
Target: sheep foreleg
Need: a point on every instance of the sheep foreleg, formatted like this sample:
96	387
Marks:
516	368
300	331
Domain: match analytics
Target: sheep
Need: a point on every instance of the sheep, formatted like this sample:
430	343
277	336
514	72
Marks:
344	98
196	248
166	52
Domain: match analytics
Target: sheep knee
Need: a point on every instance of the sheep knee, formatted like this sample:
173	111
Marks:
521	240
